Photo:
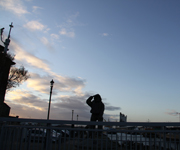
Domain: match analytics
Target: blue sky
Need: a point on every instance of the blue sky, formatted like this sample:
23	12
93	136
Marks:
127	51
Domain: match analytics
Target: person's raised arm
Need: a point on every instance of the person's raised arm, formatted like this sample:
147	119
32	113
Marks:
88	101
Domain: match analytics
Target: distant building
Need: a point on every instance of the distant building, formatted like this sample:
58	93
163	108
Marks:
122	118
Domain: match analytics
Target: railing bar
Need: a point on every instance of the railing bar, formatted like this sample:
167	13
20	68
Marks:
25	140
97	140
5	137
155	140
136	141
107	140
1	135
126	141
21	138
9	139
116	141
169	141
51	138
44	138
121	141
39	136
64	140
87	139
73	139
59	141
174	140
141	141
150	141
29	139
56	142
145	141
179	141
78	138
101	140
34	139
92	140
12	140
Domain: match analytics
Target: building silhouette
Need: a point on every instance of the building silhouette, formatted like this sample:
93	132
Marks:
5	65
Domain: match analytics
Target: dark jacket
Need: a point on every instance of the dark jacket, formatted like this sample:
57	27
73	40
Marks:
97	106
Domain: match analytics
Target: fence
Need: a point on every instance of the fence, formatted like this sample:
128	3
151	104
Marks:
35	134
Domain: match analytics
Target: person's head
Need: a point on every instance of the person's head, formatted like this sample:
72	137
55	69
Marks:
97	98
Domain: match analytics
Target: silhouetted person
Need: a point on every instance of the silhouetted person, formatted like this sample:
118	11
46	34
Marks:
97	109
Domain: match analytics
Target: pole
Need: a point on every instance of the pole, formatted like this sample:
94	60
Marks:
49	102
72	114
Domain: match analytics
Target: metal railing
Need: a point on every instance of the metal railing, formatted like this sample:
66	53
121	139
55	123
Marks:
35	134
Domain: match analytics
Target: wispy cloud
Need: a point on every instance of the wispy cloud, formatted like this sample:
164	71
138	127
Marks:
35	8
55	36
32	60
67	28
104	34
46	42
67	33
15	6
34	25
172	112
112	108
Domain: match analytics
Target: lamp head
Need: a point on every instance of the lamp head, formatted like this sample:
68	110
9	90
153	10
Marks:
52	82
2	29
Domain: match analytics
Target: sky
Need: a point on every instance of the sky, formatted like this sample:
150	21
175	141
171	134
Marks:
127	51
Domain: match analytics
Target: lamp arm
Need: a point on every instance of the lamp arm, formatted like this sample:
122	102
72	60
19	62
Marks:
2	34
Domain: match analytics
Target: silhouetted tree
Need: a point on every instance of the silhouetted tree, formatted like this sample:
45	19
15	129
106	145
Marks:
16	75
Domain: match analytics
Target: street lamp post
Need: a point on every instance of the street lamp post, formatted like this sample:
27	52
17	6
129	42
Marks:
52	82
72	114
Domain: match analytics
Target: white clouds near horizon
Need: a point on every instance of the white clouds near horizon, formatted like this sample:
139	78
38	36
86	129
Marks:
61	106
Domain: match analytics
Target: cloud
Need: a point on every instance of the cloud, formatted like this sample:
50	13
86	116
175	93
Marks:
35	8
23	56
55	36
112	108
105	34
38	82
25	104
46	42
67	28
62	84
27	99
15	6
172	113
67	33
34	25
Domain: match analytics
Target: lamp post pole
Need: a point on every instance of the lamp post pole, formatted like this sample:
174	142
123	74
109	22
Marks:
72	114
52	82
